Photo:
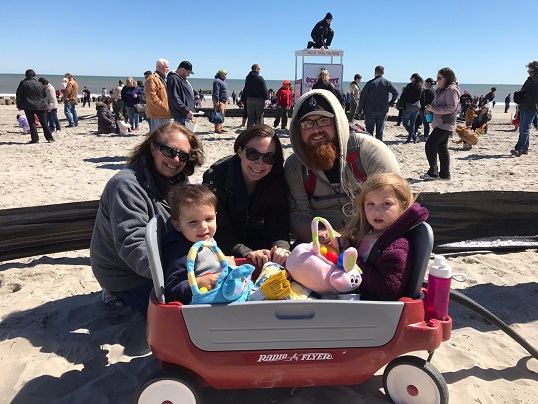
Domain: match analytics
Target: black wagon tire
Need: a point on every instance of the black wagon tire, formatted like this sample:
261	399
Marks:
166	386
409	379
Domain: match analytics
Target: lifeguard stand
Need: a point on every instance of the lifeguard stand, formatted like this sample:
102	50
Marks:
325	59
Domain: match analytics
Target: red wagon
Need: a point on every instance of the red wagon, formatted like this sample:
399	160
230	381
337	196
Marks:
275	344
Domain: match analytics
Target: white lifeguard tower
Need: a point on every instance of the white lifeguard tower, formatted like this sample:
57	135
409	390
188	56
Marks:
324	59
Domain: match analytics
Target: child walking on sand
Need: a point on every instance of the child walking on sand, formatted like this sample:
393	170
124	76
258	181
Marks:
23	123
384	210
193	218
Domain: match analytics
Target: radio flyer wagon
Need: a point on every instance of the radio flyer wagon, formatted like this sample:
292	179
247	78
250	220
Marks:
274	344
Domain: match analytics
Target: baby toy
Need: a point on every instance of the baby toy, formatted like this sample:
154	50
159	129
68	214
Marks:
274	284
324	269
233	284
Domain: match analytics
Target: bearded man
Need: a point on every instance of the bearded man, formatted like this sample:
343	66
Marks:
320	173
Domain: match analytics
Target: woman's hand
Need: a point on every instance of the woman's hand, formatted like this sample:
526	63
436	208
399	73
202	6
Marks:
279	255
208	280
259	257
428	108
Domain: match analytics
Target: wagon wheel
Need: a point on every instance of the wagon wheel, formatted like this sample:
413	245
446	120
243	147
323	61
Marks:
409	379
165	387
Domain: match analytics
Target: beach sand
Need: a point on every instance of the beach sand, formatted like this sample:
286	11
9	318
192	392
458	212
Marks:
59	343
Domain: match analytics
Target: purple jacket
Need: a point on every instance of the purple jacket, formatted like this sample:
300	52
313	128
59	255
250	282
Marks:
386	279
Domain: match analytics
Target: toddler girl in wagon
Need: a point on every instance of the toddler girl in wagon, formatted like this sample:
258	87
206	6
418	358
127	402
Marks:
384	210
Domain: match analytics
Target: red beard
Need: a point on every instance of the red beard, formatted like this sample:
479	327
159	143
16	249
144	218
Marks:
322	157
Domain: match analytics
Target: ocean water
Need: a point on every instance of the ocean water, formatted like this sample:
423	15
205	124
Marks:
9	83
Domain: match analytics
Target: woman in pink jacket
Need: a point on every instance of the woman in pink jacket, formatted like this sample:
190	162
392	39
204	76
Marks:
445	112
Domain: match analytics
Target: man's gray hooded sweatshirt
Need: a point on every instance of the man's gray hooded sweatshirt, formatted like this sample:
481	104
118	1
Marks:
375	157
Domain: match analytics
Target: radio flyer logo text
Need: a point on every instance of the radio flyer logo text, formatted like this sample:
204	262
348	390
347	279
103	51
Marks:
295	357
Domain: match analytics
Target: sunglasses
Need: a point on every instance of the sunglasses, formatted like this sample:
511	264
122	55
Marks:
440	78
253	155
321	122
171	152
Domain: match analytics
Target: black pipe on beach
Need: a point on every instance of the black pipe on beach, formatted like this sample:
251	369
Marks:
468	303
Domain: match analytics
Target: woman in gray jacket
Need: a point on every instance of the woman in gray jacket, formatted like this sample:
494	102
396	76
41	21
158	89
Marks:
445	112
167	156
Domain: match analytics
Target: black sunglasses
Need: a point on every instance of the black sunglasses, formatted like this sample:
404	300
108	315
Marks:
170	152
253	155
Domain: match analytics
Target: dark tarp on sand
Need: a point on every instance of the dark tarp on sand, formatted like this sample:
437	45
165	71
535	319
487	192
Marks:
454	217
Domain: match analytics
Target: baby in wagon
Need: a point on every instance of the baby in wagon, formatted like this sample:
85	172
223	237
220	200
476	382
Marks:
193	219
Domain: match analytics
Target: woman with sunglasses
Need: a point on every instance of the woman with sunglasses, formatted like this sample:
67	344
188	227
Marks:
252	210
167	156
445	111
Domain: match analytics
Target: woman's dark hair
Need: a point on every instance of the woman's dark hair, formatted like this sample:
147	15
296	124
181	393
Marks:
43	81
449	75
189	194
416	78
29	73
158	135
261	131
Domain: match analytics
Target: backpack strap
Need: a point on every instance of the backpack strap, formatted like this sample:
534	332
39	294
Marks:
354	157
309	179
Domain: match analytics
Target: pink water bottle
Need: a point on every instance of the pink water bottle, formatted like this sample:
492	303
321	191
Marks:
438	296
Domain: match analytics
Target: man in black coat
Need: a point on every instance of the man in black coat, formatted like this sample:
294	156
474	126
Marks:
32	99
257	96
322	34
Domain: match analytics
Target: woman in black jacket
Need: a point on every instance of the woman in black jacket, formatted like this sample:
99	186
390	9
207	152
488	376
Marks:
252	209
410	101
426	99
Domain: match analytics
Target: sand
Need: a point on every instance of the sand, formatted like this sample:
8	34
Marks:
60	343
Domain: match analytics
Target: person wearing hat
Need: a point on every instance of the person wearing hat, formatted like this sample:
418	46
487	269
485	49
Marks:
283	102
180	93
324	148
220	96
322	34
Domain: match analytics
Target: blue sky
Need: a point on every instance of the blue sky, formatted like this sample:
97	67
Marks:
481	41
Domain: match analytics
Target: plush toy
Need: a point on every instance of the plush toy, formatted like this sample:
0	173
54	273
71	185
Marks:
233	284
324	269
